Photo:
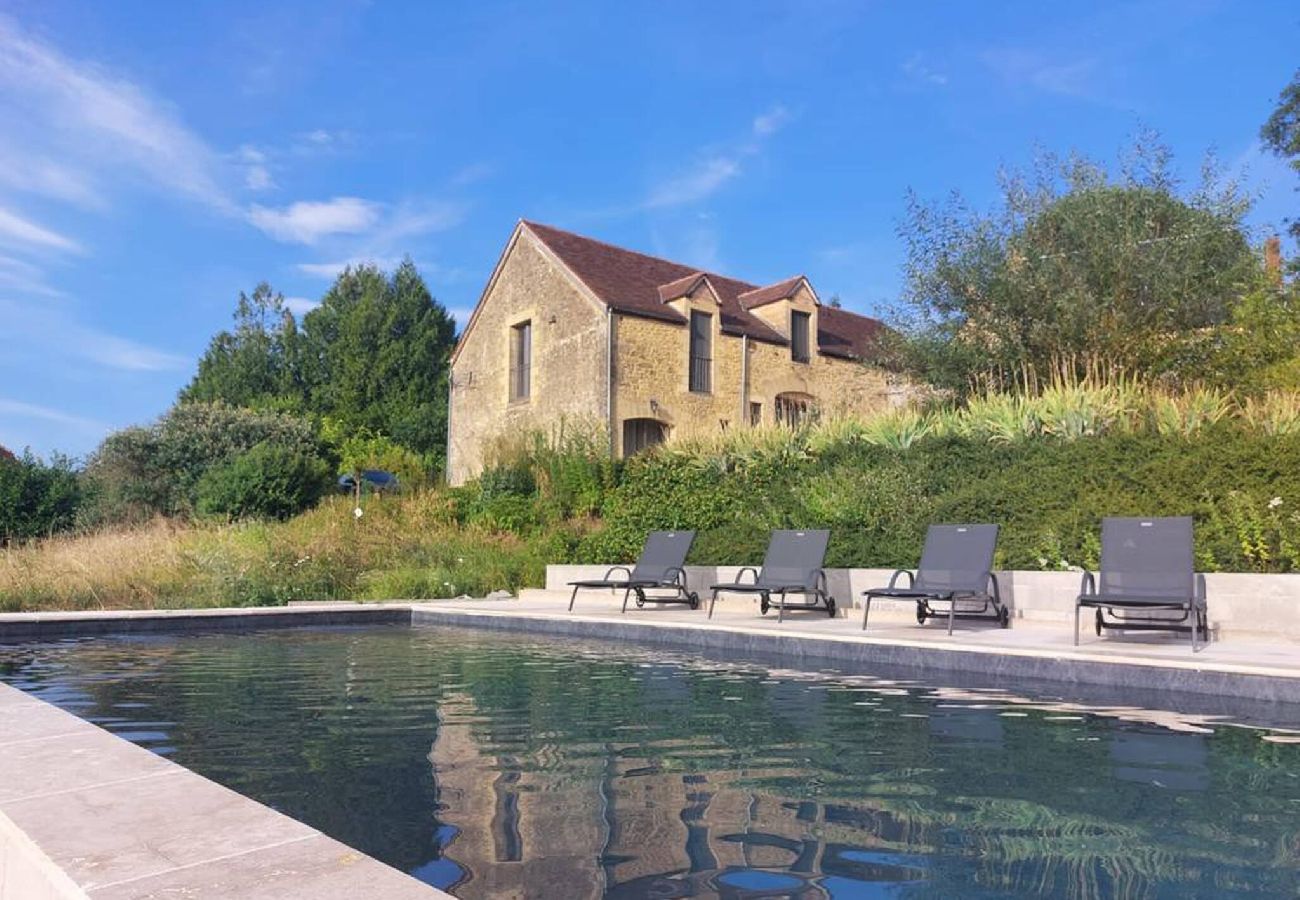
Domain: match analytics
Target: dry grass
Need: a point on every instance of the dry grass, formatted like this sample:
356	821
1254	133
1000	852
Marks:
130	568
408	547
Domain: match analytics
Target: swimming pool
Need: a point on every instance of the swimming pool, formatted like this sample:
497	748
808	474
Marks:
493	765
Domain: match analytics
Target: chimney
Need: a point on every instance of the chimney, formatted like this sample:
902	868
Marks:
1273	260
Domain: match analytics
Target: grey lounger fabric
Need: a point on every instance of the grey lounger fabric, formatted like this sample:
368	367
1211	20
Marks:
660	566
957	569
792	565
1147	566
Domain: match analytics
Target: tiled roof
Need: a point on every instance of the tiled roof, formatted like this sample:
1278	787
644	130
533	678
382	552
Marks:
681	287
637	284
782	290
847	334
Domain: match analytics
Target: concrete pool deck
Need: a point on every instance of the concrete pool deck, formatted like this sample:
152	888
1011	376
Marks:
1027	652
86	814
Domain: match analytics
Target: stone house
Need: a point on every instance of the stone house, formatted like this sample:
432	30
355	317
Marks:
571	328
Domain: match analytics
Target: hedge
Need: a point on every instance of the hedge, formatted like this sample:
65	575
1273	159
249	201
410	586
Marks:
1048	494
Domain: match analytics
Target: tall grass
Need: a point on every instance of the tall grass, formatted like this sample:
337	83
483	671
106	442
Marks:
408	547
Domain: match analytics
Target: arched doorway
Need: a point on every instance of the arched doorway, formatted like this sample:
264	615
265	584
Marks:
794	409
642	434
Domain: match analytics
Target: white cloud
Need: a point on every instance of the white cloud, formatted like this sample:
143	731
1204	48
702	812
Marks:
331	270
46	177
19	409
916	70
300	306
414	218
770	122
24	278
52	332
14	229
97	125
698	183
257	174
711	172
306	222
1049	73
258	178
472	173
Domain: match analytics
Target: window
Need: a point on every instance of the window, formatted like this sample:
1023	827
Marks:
794	410
521	360
701	361
799	327
755	414
641	434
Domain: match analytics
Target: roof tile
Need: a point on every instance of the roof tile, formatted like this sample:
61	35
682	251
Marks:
635	283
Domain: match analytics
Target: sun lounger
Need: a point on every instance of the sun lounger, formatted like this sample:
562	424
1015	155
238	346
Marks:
660	568
956	569
792	565
1147	568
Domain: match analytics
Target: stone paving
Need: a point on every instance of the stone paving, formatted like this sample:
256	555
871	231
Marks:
1166	661
86	814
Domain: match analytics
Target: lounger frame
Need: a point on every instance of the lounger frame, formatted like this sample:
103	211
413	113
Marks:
977	584
1178	588
647	575
775	590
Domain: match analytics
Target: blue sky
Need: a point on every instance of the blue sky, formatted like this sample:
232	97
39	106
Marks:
155	159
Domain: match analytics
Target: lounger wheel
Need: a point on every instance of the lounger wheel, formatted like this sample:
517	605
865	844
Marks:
694	600
830	607
763	605
920	614
640	602
1099	623
1004	617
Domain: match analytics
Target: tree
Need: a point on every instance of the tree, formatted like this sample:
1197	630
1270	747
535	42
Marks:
254	365
375	355
1281	133
1077	268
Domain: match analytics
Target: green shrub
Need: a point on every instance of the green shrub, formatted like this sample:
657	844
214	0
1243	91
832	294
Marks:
140	472
36	499
1049	495
508	479
268	481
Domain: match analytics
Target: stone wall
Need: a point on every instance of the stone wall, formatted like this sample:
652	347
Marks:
650	379
568	374
651	359
1240	604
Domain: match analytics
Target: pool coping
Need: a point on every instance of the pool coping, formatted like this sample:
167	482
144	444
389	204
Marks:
88	815
1012	665
45	856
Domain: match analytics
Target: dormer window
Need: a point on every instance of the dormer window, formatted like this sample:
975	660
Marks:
800	326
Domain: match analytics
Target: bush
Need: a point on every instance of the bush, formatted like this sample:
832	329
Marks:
36	499
1049	494
271	481
142	472
367	449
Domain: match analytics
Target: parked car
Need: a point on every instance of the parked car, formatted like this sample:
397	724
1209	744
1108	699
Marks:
376	480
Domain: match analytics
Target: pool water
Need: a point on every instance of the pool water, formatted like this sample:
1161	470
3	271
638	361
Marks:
493	765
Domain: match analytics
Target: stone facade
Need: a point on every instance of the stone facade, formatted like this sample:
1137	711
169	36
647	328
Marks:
593	363
568	368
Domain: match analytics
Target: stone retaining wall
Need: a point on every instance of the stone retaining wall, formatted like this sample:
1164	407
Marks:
1240	605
